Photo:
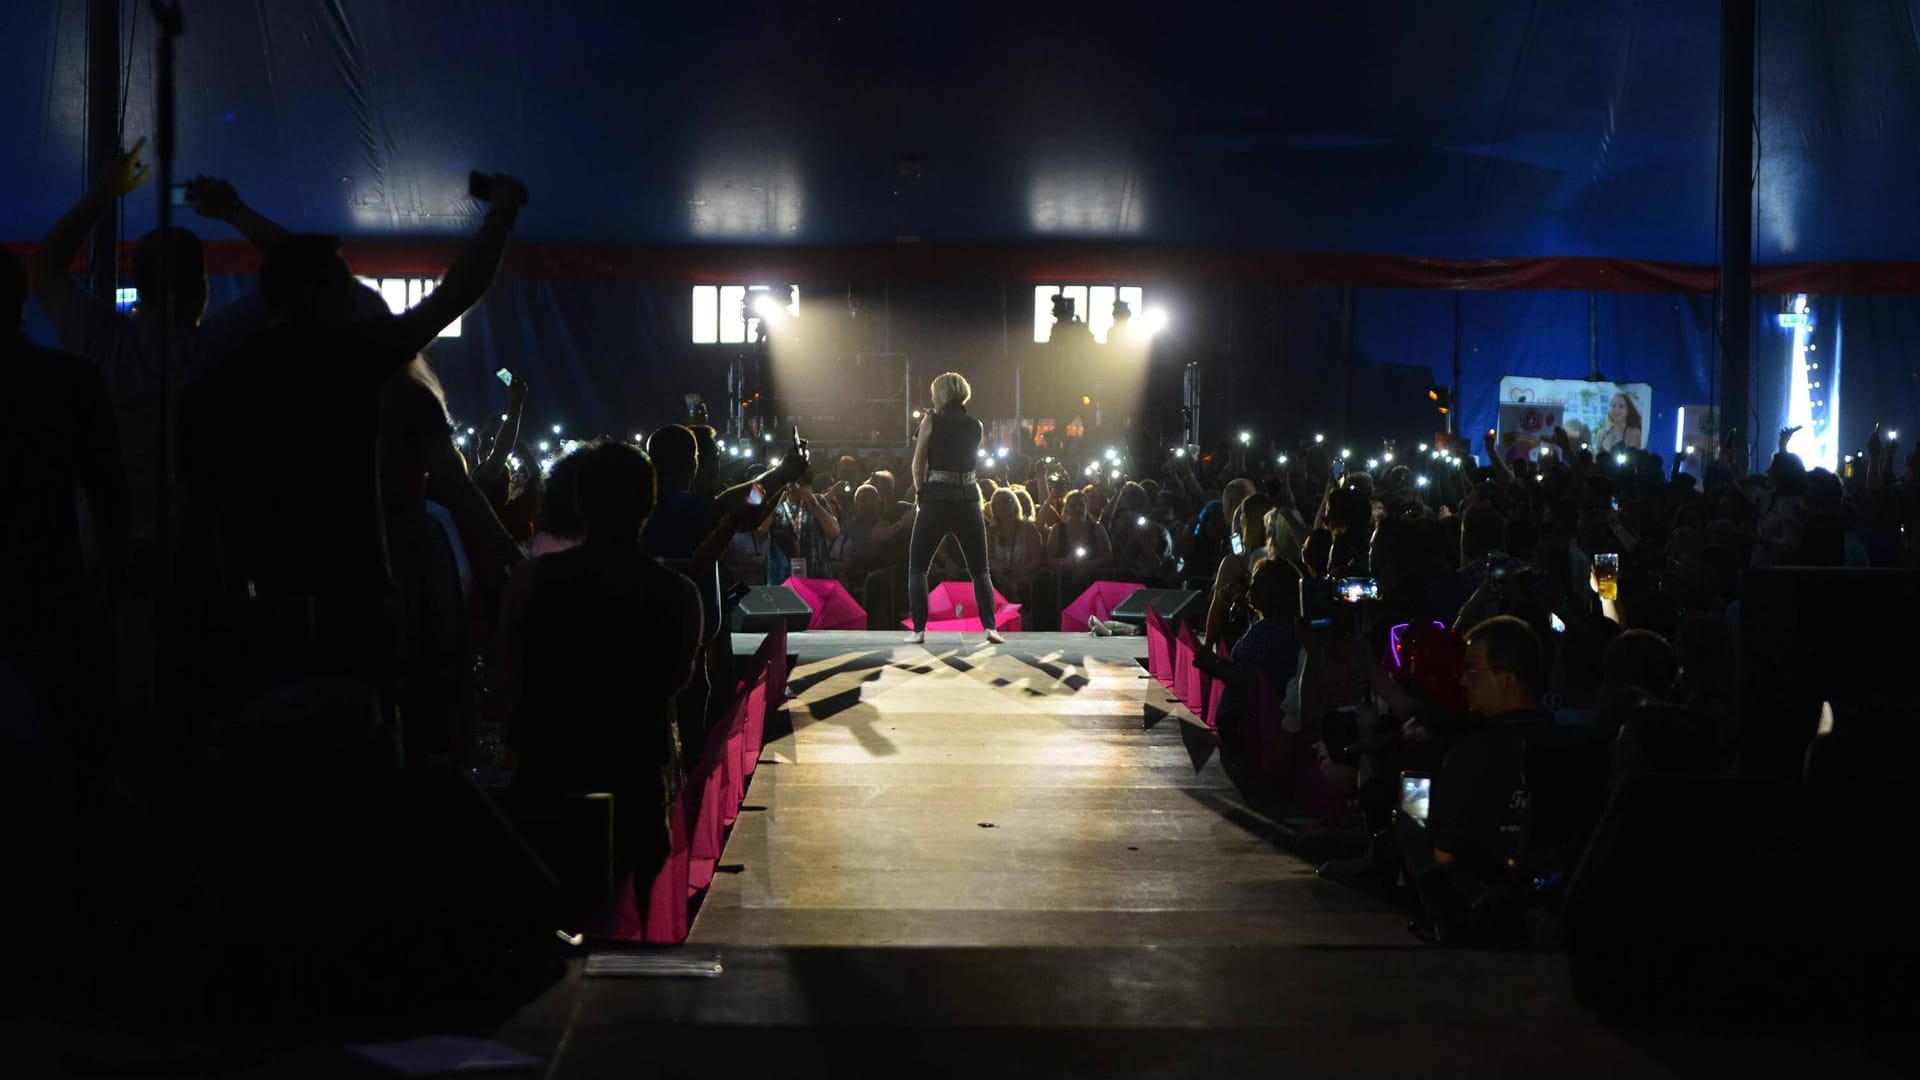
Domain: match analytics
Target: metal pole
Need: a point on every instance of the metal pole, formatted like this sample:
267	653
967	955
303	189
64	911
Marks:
103	137
169	24
1736	215
1593	337
1454	387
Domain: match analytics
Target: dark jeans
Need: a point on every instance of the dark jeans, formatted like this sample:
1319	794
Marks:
938	518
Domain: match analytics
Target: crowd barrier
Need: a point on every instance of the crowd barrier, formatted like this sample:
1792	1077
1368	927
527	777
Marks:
661	912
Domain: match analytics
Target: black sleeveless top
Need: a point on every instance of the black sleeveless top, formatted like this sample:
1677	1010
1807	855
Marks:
954	443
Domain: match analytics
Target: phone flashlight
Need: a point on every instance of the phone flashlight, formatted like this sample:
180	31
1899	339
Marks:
505	376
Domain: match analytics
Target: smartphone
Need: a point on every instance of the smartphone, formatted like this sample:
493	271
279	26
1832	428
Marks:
181	194
505	376
756	495
1352	590
1416	795
480	185
1238	545
1559	626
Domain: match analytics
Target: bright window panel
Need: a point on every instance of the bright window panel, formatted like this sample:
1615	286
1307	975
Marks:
706	315
1043	312
733	330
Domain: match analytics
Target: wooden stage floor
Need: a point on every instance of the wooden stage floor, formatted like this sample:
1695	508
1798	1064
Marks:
968	860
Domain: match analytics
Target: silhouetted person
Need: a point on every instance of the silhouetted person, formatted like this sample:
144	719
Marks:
595	643
60	433
943	459
125	348
294	521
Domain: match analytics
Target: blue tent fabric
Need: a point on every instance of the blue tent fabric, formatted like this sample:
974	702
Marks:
1482	128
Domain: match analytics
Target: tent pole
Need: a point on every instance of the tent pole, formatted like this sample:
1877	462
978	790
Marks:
103	137
1736	215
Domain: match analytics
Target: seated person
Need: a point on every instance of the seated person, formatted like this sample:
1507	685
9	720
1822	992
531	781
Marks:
595	643
1013	546
1481	795
1270	646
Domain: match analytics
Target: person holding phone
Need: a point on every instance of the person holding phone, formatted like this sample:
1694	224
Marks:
949	499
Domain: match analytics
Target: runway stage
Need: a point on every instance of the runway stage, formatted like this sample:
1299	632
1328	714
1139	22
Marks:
986	861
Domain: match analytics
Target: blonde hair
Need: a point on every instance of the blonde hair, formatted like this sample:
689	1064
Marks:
1026	502
951	387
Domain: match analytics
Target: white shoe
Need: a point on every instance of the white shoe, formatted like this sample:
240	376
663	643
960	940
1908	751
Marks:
914	639
1097	628
994	637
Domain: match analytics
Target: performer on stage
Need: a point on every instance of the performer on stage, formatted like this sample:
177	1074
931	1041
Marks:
949	498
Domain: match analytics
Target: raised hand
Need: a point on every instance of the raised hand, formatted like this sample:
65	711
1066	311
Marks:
505	193
1786	436
123	173
517	392
215	198
1492	442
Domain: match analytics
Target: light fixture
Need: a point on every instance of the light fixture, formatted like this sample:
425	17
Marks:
766	306
1150	322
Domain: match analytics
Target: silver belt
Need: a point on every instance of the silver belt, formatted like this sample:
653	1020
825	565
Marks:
942	476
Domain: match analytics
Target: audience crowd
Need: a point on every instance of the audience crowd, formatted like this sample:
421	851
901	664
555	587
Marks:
397	590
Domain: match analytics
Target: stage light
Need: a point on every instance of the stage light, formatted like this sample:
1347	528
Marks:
1316	438
1150	322
767	307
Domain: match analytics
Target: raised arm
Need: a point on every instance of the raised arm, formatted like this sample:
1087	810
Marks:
217	200
472	272
117	177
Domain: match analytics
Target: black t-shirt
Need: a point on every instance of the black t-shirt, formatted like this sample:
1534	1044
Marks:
1480	798
954	443
607	637
61	437
280	452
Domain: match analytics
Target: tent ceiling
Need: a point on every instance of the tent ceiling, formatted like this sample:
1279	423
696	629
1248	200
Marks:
1472	128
